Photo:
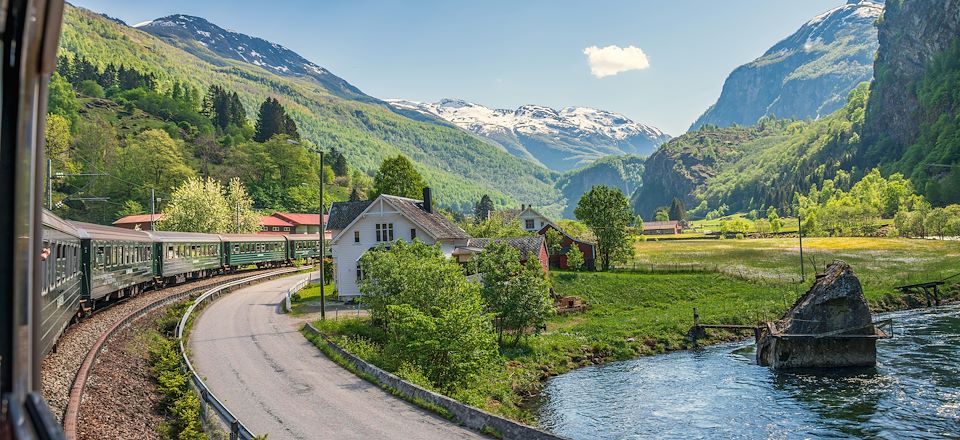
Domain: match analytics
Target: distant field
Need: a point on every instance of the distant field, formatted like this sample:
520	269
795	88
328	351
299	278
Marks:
881	263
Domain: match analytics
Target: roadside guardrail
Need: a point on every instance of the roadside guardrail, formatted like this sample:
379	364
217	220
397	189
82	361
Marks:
237	429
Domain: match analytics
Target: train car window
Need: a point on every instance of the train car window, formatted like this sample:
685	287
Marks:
98	259
169	252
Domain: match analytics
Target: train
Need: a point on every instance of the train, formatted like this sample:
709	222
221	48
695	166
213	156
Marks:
85	266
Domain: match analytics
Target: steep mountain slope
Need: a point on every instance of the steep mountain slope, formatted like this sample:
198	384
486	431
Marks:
559	139
457	164
623	172
912	118
807	75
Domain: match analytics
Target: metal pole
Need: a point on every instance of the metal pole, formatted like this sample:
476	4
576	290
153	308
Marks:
803	277
153	209
50	184
323	299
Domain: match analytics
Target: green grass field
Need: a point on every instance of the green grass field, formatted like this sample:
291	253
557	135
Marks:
881	263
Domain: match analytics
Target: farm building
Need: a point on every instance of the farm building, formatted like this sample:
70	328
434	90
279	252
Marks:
670	227
559	260
532	246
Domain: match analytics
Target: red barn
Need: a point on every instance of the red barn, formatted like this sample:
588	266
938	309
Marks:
559	260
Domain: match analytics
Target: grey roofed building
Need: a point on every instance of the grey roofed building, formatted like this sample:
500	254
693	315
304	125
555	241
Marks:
526	245
342	213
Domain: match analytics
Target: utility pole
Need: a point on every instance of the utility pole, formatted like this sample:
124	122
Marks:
323	299
153	209
803	277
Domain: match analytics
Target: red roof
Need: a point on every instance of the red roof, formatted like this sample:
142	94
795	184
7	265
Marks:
269	220
301	219
139	218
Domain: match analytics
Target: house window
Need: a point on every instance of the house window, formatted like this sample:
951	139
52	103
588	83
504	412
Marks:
384	232
286	228
413	233
529	223
359	271
275	228
356	236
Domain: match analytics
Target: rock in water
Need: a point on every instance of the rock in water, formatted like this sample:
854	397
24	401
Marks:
829	326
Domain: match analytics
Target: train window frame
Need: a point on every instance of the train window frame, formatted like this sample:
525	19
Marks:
98	259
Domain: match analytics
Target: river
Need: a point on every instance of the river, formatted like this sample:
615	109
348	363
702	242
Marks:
720	392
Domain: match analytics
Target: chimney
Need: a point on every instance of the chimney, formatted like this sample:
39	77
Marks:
427	200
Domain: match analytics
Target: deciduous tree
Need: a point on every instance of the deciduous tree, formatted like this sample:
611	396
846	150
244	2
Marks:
398	177
607	213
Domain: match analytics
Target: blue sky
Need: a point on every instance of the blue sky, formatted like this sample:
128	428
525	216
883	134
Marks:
508	53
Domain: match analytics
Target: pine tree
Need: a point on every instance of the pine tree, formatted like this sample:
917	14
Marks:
339	163
354	195
273	120
483	208
678	211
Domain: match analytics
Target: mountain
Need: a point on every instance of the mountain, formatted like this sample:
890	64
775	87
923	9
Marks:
558	139
623	172
805	76
328	111
213	43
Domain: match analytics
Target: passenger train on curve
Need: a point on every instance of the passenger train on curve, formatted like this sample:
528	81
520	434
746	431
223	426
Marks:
85	266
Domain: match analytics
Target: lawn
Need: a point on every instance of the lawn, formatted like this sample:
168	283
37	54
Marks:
881	263
304	300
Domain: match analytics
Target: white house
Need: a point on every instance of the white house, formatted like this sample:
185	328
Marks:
531	219
359	226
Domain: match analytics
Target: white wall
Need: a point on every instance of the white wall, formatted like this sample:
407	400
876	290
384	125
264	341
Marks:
346	252
539	221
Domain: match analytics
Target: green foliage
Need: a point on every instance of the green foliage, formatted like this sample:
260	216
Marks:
554	241
677	210
776	224
662	215
575	258
607	213
621	171
576	229
495	226
483	208
830	210
90	88
398	177
223	108
737	226
273	120
62	99
516	295
179	402
205	206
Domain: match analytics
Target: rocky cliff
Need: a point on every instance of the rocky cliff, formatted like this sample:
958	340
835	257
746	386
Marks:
912	35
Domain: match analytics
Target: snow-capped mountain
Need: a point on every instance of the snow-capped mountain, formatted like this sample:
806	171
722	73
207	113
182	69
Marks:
197	35
559	139
806	75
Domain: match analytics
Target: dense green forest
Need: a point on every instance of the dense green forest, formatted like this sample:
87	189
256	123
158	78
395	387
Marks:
460	167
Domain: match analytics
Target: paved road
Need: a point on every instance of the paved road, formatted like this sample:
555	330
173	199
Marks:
277	383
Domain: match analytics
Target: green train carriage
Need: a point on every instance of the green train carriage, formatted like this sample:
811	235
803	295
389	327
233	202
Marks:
257	250
182	256
304	246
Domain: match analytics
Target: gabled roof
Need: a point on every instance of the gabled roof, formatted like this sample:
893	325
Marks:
138	218
526	245
300	219
269	220
433	223
343	213
102	232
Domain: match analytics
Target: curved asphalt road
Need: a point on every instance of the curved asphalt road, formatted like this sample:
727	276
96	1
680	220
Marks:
254	359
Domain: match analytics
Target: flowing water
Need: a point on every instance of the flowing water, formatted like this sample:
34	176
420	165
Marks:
720	392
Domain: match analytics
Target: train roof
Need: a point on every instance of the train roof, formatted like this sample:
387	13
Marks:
184	236
50	220
301	237
104	232
234	238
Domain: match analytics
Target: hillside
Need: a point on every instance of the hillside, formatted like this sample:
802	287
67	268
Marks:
558	139
805	76
624	172
459	166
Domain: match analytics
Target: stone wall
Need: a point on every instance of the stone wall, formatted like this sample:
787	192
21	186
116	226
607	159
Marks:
469	416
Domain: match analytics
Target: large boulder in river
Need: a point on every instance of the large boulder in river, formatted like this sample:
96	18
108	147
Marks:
829	326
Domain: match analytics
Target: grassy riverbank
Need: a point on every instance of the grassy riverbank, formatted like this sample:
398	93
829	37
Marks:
649	312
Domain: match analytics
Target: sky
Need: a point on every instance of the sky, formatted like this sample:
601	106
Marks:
659	62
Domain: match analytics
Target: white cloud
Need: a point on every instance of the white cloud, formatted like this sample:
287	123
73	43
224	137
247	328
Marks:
611	60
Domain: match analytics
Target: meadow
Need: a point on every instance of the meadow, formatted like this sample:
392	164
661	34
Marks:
880	263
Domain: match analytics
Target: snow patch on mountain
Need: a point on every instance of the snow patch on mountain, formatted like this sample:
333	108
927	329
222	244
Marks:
578	134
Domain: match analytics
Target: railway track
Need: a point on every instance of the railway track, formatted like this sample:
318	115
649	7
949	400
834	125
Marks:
67	371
